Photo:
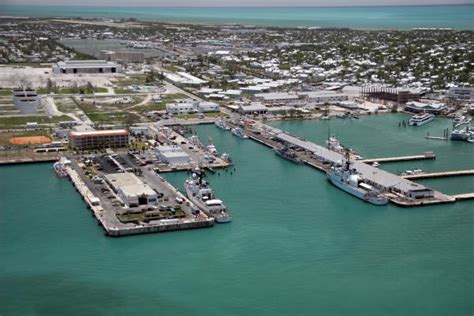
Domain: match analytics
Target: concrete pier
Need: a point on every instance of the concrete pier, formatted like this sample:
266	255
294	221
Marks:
464	196
442	174
400	191
107	215
425	156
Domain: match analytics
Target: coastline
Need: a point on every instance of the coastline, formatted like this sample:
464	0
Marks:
456	17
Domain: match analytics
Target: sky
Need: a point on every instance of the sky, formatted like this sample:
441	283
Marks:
234	3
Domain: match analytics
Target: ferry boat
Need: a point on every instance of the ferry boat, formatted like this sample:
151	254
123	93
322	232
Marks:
59	167
466	134
420	119
288	154
201	195
349	180
222	124
239	132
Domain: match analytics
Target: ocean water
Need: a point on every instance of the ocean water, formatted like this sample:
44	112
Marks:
297	245
377	17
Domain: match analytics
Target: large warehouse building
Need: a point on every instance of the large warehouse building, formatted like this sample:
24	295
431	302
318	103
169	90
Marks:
86	66
98	139
172	155
131	189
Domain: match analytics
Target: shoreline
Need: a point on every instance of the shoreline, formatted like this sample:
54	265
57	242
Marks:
280	19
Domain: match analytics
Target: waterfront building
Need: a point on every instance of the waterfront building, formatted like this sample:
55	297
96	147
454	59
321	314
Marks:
86	66
189	106
419	107
172	155
461	93
321	97
26	101
253	108
131	190
282	98
98	139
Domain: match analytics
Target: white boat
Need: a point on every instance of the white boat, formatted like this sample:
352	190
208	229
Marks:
200	193
420	119
61	165
239	132
349	180
333	144
222	124
465	134
210	147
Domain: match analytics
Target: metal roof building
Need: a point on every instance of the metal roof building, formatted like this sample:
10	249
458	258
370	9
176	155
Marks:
85	66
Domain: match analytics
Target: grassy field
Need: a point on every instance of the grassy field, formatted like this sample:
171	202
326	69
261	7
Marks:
72	90
13	121
5	92
114	117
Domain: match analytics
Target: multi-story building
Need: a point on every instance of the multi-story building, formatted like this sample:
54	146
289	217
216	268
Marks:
98	139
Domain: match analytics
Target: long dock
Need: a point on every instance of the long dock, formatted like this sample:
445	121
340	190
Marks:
400	191
28	159
454	173
464	196
400	158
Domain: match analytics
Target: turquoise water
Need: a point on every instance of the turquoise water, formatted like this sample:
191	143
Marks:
297	246
382	17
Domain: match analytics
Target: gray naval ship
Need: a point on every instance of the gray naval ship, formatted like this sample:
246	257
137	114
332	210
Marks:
349	180
200	193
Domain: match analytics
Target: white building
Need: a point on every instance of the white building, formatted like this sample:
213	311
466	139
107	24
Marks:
317	97
281	98
139	130
418	107
191	106
172	155
131	189
86	66
461	93
253	108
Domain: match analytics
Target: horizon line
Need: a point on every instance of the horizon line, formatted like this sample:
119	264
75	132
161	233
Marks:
242	7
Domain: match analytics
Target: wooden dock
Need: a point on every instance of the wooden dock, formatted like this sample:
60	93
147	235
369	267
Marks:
454	173
400	158
464	196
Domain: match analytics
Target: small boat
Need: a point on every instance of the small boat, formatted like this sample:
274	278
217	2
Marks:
239	132
288	154
375	164
210	147
226	157
222	124
60	166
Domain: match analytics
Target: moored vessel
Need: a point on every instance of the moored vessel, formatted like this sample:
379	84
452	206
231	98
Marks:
201	195
349	180
288	154
59	166
239	132
222	124
420	119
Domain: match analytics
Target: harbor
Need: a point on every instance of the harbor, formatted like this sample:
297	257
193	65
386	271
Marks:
397	189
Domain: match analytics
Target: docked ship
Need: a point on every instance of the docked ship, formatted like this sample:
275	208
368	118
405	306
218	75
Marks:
420	119
288	154
239	132
465	134
211	147
349	180
201	195
222	124
59	167
333	144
